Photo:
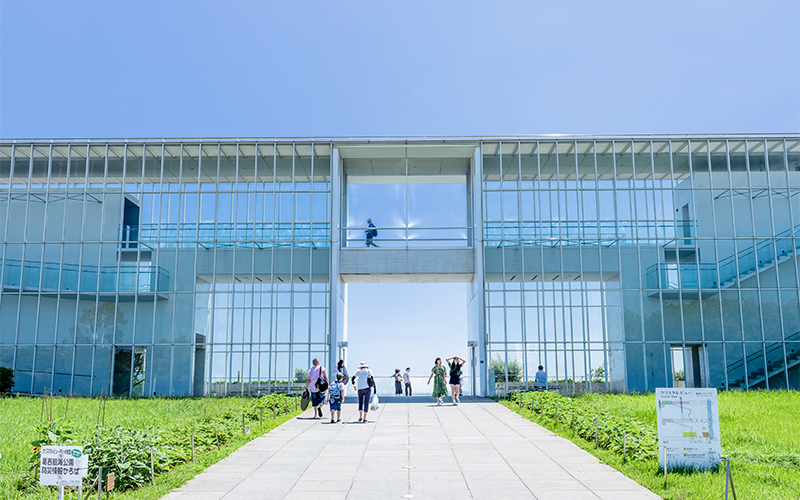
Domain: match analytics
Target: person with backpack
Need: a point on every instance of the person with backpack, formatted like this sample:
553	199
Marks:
371	233
398	382
317	378
336	398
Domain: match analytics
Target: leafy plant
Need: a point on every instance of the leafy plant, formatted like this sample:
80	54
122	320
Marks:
50	433
599	374
126	453
6	380
640	439
499	367
300	375
125	450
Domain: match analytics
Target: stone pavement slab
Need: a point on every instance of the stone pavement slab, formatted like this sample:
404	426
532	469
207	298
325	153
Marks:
412	448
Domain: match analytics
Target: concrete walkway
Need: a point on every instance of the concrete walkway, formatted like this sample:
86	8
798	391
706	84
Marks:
412	449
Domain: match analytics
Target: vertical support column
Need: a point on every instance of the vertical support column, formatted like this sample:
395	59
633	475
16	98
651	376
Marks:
476	304
337	289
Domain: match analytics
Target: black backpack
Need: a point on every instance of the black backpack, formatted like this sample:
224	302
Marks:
321	384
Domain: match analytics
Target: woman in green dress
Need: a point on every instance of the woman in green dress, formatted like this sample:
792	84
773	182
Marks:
439	386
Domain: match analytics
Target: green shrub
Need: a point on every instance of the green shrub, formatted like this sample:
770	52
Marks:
641	440
499	367
50	433
126	451
6	380
300	375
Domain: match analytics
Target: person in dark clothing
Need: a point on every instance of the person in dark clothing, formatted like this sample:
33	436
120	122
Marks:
371	233
398	382
455	377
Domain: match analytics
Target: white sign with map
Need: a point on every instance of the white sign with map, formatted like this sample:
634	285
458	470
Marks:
688	427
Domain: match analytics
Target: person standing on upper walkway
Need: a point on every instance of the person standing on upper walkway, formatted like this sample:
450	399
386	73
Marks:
371	233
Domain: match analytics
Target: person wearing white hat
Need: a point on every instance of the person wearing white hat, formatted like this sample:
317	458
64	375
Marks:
371	233
364	382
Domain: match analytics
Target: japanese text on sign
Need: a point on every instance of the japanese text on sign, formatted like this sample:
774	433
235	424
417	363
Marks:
688	427
62	465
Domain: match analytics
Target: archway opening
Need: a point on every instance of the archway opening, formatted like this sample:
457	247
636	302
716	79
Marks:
407	325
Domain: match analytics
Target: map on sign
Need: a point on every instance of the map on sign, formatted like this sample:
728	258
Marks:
688	427
62	465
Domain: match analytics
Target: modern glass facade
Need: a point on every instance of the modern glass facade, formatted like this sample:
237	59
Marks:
621	262
163	268
221	266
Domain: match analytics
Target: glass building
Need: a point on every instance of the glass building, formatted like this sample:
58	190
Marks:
216	266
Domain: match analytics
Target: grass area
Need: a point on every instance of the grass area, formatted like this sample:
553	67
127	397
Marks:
167	419
757	426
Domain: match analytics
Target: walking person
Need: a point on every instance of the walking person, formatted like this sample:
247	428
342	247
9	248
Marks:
371	233
340	368
364	382
439	387
336	395
317	378
407	380
398	382
455	377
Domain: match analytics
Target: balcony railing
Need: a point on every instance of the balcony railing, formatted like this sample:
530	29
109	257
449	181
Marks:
408	236
52	277
221	235
754	363
731	269
568	233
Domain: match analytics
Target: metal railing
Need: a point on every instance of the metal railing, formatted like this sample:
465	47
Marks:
572	233
53	277
221	235
408	236
757	370
731	269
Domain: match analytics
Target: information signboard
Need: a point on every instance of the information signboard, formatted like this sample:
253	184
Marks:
62	465
688	427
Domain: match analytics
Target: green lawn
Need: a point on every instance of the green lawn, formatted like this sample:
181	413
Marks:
167	419
756	426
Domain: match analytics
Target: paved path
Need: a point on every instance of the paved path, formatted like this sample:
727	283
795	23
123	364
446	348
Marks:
478	449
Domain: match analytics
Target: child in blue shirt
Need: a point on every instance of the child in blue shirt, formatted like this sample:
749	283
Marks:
336	398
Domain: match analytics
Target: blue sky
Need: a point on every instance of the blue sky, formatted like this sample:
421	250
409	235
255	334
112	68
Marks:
243	69
303	69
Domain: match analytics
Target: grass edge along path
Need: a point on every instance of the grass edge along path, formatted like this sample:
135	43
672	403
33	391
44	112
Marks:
756	482
276	410
181	474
